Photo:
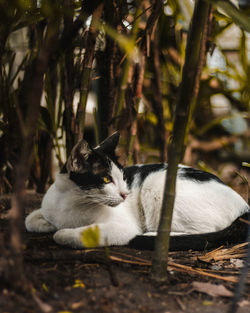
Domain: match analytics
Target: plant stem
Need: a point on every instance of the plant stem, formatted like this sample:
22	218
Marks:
125	73
187	96
87	70
137	95
157	102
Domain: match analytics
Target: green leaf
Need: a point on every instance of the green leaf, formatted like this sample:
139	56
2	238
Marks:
126	43
245	164
243	51
91	237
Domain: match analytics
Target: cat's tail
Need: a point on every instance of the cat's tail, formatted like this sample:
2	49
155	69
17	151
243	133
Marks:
238	231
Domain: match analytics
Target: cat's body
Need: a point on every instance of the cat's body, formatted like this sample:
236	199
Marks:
93	189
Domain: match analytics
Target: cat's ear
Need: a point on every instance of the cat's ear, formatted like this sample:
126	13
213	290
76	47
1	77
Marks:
78	157
109	145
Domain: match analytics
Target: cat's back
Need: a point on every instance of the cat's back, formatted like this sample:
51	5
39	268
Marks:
203	202
136	175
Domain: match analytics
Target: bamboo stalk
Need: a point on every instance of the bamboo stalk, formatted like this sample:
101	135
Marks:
67	80
151	23
152	20
87	70
157	103
128	62
176	149
138	96
132	137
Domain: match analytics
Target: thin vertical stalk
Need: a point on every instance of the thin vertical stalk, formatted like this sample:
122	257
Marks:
87	70
123	87
138	96
128	62
67	79
97	138
187	95
151	24
152	21
68	93
157	103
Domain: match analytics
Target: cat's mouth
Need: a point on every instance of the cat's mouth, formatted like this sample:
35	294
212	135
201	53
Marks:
114	202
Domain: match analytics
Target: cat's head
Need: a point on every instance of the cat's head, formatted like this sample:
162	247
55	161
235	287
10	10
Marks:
96	173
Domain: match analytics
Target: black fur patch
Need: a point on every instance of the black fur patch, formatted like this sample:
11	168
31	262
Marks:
183	172
87	180
130	172
98	163
198	175
94	169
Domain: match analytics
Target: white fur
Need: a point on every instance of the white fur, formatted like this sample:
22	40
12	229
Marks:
200	207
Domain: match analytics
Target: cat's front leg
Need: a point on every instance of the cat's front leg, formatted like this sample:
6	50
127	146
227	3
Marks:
110	234
70	237
35	222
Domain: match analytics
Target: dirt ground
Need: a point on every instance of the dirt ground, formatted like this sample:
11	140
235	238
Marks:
118	279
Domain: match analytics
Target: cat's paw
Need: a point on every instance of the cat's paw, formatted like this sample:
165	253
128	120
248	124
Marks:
69	237
35	222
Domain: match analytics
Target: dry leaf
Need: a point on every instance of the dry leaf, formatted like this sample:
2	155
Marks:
237	263
44	307
212	289
77	305
244	303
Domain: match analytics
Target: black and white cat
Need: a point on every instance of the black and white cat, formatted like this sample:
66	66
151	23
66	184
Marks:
125	203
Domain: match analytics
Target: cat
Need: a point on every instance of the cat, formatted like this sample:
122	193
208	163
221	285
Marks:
125	203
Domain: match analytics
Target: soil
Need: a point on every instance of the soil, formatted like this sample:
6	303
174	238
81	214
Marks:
116	279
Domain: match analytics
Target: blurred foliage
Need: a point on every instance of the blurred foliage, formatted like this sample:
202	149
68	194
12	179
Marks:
152	54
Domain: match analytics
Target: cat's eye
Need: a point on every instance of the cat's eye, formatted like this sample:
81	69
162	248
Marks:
107	179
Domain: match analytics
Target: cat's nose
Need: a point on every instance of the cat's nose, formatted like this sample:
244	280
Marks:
123	195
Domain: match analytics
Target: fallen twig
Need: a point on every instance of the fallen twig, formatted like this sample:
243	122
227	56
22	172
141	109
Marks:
222	253
98	256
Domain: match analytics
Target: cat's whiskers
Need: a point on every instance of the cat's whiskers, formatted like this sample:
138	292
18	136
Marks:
92	199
